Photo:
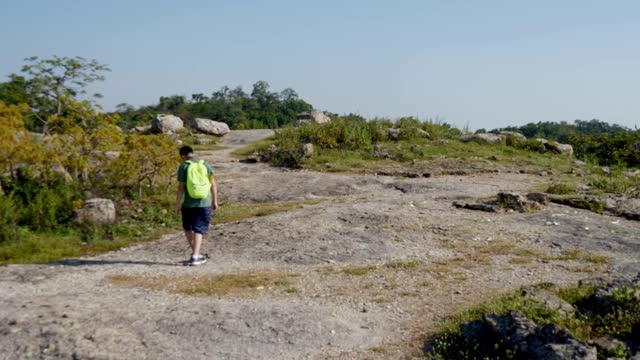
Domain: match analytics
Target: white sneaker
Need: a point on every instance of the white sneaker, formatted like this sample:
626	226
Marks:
199	260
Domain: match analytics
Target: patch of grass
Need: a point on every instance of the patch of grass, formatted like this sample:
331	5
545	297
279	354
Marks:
449	343
291	290
76	240
365	147
191	139
615	184
581	255
498	247
211	285
251	148
403	264
520	260
358	270
230	212
379	350
584	268
561	188
592	320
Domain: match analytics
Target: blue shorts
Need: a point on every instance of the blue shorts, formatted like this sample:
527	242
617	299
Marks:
196	219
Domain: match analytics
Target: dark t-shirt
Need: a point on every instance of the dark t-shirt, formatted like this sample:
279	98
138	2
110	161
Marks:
188	201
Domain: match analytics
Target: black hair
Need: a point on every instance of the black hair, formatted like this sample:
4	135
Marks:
185	150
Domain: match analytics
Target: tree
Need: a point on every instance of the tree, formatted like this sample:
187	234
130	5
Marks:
14	91
13	136
52	81
146	159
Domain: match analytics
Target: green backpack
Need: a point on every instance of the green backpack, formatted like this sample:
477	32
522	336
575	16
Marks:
198	184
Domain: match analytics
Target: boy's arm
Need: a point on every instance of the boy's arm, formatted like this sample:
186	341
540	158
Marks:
214	194
179	197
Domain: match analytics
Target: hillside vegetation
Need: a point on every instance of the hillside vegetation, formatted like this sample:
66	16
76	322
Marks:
58	148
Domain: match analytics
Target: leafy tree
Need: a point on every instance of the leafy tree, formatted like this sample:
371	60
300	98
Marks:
53	81
13	137
562	131
260	109
146	159
87	134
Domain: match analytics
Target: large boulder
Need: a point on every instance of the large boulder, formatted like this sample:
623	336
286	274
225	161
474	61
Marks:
211	127
166	123
97	211
315	116
516	135
564	149
482	138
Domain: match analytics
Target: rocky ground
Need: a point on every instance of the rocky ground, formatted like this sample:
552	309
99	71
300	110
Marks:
372	264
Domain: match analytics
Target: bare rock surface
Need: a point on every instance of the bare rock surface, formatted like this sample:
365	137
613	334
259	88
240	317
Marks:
374	262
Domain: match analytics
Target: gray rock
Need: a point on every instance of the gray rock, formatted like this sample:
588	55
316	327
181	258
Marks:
306	150
97	211
142	129
487	138
313	116
551	342
537	342
57	168
514	326
202	140
164	123
423	133
538	197
517	135
479	206
517	202
610	346
564	149
632	173
548	299
394	133
211	127
111	155
604	298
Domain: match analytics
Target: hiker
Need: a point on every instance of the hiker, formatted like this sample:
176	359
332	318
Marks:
196	209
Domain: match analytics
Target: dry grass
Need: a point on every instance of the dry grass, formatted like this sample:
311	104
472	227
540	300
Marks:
230	212
581	255
358	270
210	285
403	264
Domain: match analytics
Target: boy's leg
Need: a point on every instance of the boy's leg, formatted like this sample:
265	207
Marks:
191	238
197	242
200	228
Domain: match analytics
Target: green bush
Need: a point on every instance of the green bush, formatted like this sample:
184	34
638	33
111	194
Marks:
621	149
530	145
45	204
9	216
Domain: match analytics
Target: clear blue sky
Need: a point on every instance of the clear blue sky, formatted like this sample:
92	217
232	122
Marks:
482	64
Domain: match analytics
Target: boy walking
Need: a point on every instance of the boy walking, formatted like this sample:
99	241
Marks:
196	213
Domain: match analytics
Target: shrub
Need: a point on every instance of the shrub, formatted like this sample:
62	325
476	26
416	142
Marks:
561	188
9	215
529	145
46	203
620	149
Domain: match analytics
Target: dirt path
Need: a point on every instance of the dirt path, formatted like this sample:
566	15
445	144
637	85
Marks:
369	264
